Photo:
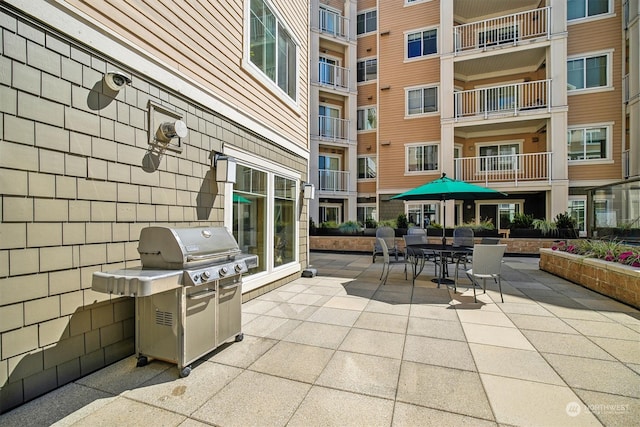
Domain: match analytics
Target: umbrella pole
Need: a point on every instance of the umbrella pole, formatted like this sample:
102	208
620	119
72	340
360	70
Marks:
444	223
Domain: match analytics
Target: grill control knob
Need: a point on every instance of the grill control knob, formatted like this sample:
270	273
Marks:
205	275
238	268
223	271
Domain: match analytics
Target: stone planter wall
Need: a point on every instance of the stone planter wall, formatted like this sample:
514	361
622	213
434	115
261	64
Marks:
365	244
615	280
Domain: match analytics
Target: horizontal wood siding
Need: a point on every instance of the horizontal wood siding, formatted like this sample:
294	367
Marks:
205	42
586	109
367	4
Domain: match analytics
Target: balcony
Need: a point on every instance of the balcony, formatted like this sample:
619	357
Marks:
332	76
333	24
333	181
512	168
333	129
503	31
503	100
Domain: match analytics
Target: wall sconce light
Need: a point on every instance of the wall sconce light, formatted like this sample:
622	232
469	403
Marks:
115	80
385	143
368	49
370	97
309	191
385	87
225	168
535	139
384	33
471	148
369	147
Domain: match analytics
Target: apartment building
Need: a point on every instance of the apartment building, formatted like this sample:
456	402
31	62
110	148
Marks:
516	95
86	88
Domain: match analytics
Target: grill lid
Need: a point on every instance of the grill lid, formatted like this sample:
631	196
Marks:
180	248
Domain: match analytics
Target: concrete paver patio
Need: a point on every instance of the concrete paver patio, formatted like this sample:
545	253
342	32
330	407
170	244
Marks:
339	349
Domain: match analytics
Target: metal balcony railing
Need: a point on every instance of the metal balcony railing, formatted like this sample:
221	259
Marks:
333	76
625	87
504	30
333	23
333	129
512	168
626	166
500	100
333	181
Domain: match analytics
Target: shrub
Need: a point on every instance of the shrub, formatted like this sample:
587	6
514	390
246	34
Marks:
349	227
329	224
370	223
547	227
564	220
387	223
608	250
522	220
401	221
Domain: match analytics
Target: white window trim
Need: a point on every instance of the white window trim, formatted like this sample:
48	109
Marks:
609	14
606	160
271	273
365	108
412	3
367	156
609	86
332	156
582	233
421	57
479	170
369	205
407	172
257	73
406	101
365	59
363	12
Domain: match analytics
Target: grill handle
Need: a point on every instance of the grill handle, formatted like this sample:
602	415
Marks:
235	284
208	256
203	294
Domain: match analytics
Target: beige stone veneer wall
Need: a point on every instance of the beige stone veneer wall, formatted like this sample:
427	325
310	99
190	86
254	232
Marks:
74	194
608	278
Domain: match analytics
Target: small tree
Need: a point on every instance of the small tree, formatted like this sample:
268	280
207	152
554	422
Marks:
401	222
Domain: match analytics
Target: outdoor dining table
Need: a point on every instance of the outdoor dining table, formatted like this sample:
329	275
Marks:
442	253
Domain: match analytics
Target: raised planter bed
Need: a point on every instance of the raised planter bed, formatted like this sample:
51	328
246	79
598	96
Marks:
618	281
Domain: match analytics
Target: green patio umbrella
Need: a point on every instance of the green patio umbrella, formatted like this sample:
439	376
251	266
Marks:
445	188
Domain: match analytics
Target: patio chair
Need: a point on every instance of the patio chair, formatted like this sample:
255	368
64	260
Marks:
486	264
462	236
386	266
417	231
490	241
389	236
411	256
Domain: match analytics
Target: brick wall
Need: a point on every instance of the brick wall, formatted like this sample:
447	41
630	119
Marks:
78	181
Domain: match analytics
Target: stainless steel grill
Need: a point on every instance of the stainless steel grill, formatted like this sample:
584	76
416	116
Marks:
188	292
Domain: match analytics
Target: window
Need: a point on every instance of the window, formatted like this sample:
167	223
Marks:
587	72
422	43
506	212
331	177
284	221
367	213
577	210
330	21
499	157
367	118
577	9
422	158
367	22
422	100
422	215
272	49
329	123
367	70
588	143
327	70
367	167
330	212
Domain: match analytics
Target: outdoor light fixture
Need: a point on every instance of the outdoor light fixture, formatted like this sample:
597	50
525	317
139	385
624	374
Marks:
225	168
169	130
309	191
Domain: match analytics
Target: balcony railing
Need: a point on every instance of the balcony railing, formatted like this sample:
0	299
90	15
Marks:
504	30
333	76
512	168
626	166
625	87
333	129
500	100
333	23
333	181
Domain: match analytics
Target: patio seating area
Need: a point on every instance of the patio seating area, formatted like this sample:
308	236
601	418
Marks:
340	349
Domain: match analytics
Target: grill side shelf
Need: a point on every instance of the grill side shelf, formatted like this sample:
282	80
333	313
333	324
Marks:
136	282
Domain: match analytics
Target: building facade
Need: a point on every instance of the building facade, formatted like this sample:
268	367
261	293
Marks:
85	87
516	95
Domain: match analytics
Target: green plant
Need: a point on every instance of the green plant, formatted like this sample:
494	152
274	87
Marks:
387	223
546	227
329	224
564	220
401	221
349	227
608	250
522	220
312	226
435	225
370	223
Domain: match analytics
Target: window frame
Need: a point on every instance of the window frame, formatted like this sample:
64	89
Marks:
364	109
365	13
421	31
407	154
587	17
375	162
608	126
407	90
481	166
256	72
608	54
365	61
